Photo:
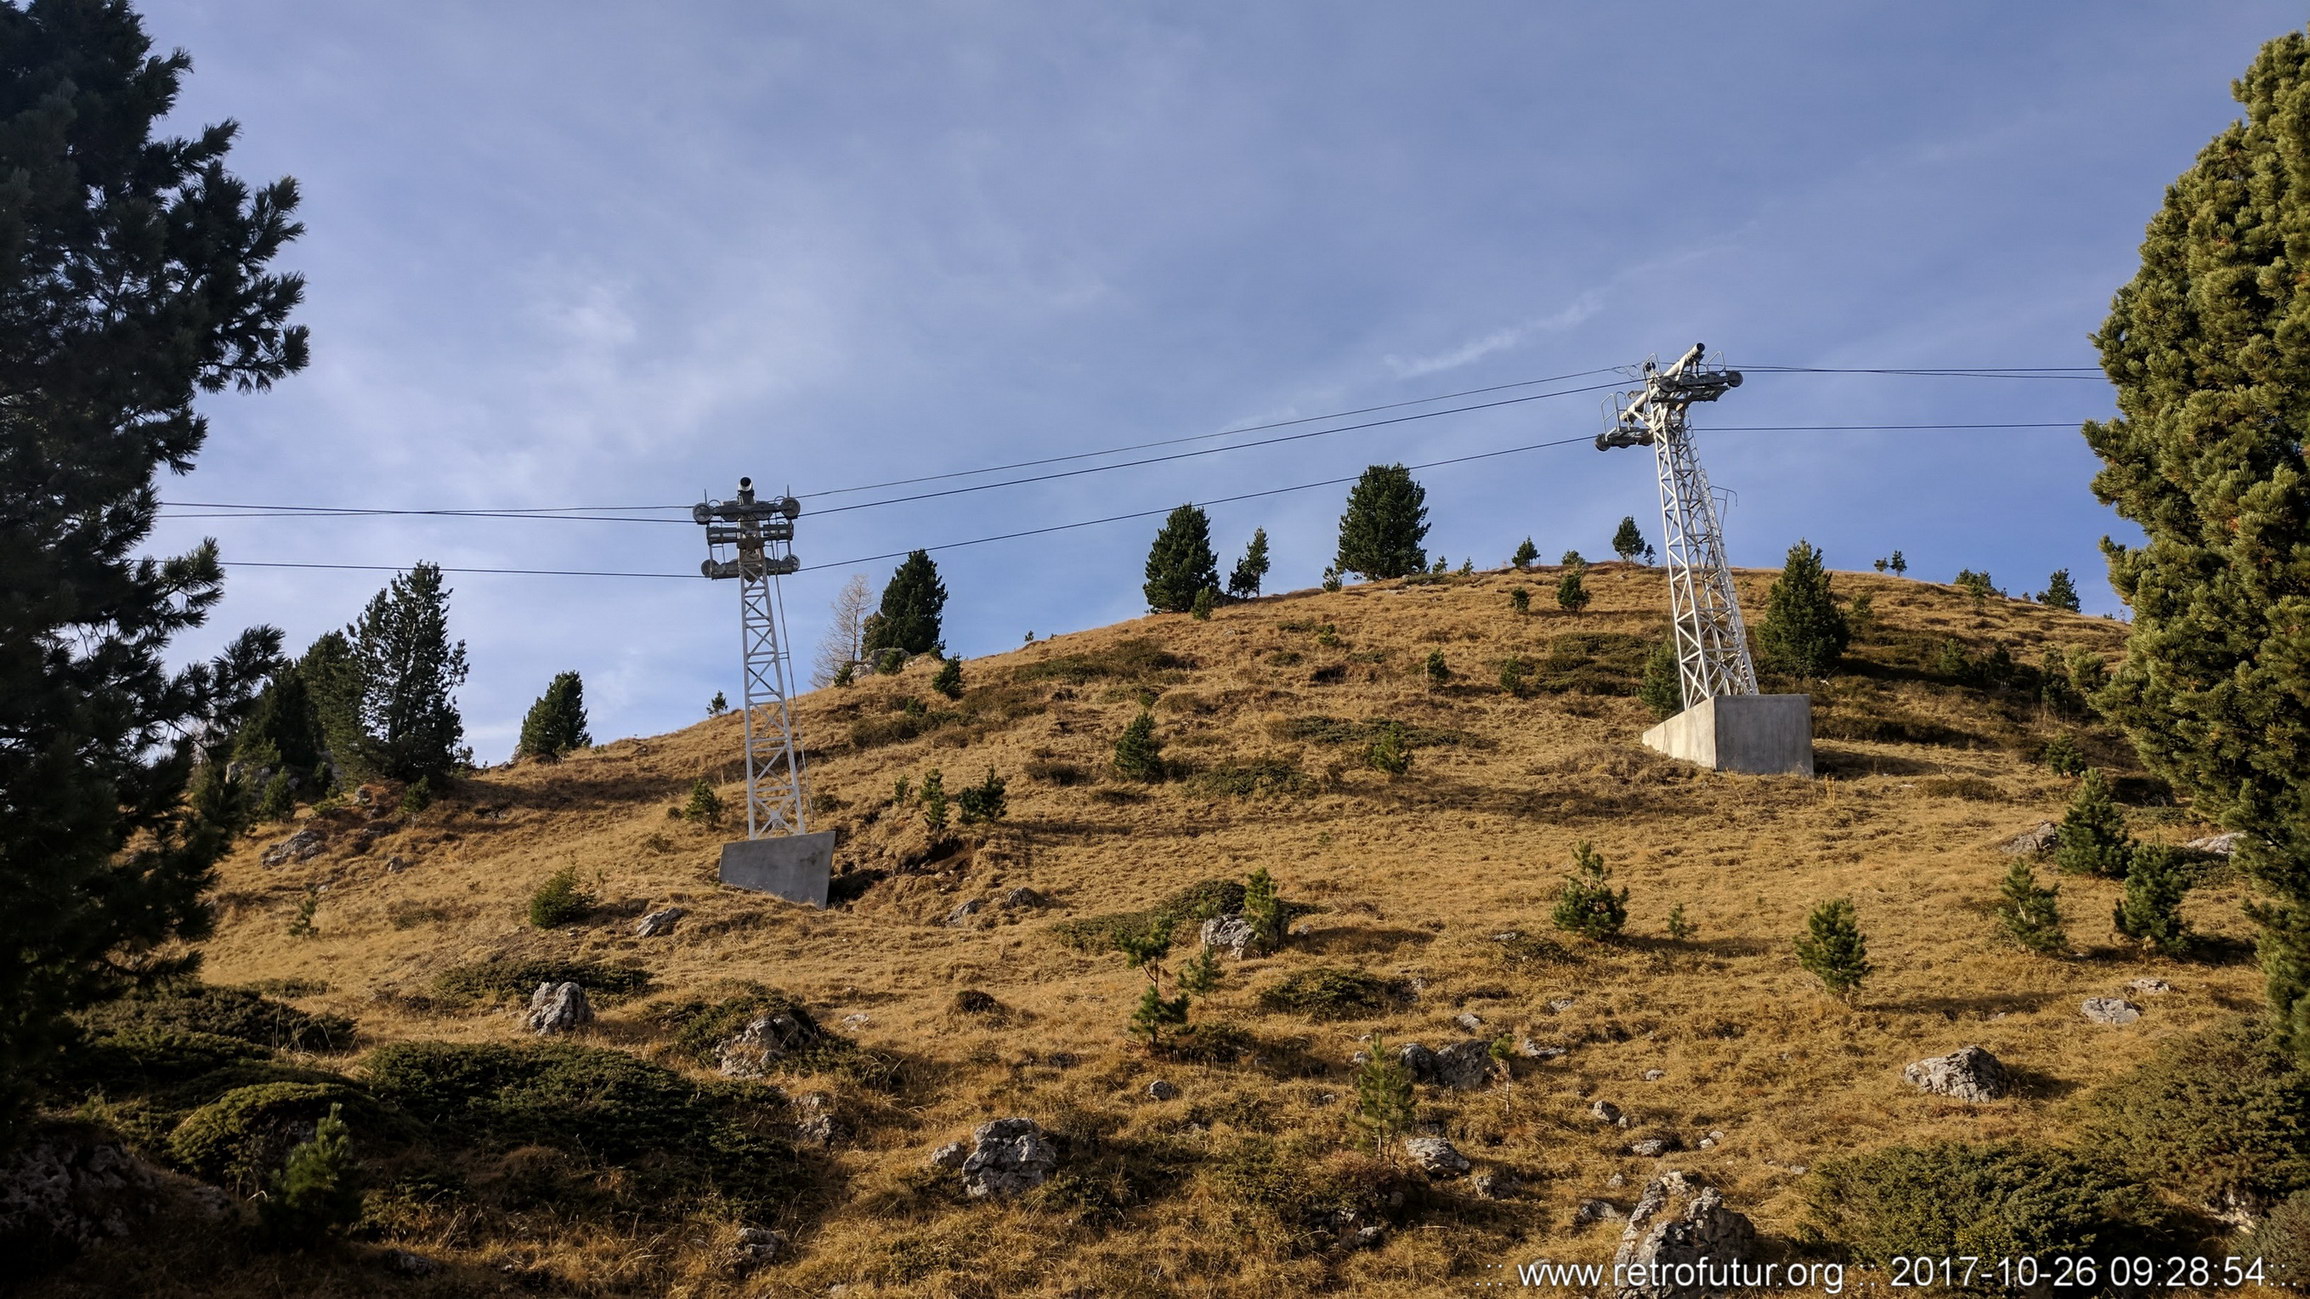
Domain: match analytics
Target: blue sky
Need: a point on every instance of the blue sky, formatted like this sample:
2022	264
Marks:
591	254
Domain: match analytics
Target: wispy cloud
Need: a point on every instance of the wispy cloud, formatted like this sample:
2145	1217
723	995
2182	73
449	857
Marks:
1499	340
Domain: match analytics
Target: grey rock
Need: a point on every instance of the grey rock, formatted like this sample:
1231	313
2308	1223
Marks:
1462	1065
1562	1004
962	914
1493	1183
1160	1090
1597	1211
1436	1156
1370	1237
1230	934
762	1043
1677	1221
1651	1147
1969	1073
304	845
2036	841
1419	1059
2154	987
410	1263
2219	845
951	1155
558	1008
818	1125
1532	1050
395	865
658	923
1655	1075
1706	1143
1604	1112
1023	898
1008	1157
756	1247
1616	1181
61	1192
1470	1021
2110	1010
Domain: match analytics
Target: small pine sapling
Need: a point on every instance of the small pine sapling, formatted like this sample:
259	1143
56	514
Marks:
1138	754
1468	567
2092	839
417	796
1515	677
1586	904
2150	910
1205	601
2059	592
1440	567
1573	559
1525	554
983	803
2062	756
1662	689
1142	948
1263	911
1384	1098
1520	600
717	706
316	1195
301	924
1679	928
1572	591
279	801
949	680
561	900
2030	915
901	792
1157	1014
846	674
934	801
1331	579
1435	669
1628	541
1389	752
1201	975
1898	564
705	806
1832	949
1880	564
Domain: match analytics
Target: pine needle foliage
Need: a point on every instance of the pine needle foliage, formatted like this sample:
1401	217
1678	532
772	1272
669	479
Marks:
704	806
409	672
1435	670
1526	554
1520	599
984	803
2206	457
1389	753
2092	838
1250	570
1804	632
1205	601
1384	1096
1628	542
1586	903
1201	975
316	1196
1138	754
1157	1015
1832	949
934	801
1180	563
949	679
1385	522
1572	591
910	616
2030	915
561	900
1662	688
556	723
1263	910
718	705
2059	592
2150	909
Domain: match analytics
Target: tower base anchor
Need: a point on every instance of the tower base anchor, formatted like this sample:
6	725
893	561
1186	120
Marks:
1762	735
796	867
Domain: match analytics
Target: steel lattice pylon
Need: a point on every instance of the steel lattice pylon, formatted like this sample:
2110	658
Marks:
759	533
1712	645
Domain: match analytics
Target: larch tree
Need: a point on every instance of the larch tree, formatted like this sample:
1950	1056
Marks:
133	277
1386	521
2205	346
1180	563
844	645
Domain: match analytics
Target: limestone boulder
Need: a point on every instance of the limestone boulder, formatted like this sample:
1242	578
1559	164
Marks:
304	845
2034	842
2115	1011
1970	1073
1437	1157
1008	1157
1230	934
1678	1221
754	1050
658	924
558	1008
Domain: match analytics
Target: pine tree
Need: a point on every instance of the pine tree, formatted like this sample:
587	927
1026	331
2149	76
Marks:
1435	669
2206	456
1573	559
2030	915
1804	632
284	732
1389	752
984	803
1180	563
1525	554
1585	903
704	806
1205	601
1662	689
2059	592
2092	839
1520	599
1201	975
934	801
2150	910
717	706
556	724
1628	542
912	603
316	1195
1385	522
1898	564
1572	591
1384	1096
133	277
1250	570
333	680
948	680
408	669
1879	563
1331	579
1158	1014
1832	949
1138	755
1263	911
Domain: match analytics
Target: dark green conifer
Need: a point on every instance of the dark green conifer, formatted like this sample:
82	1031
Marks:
1525	554
1385	522
1898	564
2150	910
2059	592
408	672
2030	915
317	1195
556	724
1628	542
1180	563
1572	591
1804	633
1250	570
908	620
948	680
1586	903
2092	838
1138	754
1662	689
1832	949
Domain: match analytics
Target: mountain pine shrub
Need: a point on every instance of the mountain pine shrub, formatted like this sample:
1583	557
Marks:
1389	753
1434	669
316	1196
1832	949
1572	591
1384	1096
2220	1117
1138	754
1662	688
1948	1200
2029	915
1804	633
1520	599
705	806
1586	904
561	900
2150	909
2093	838
949	679
985	802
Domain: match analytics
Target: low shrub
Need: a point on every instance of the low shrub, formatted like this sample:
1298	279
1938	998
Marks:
1054	771
503	979
316	1195
1189	906
2220	1117
239	1138
1585	903
1253	777
223	1011
1137	659
700	1025
1327	992
561	900
2282	1241
1989	1202
1296	1198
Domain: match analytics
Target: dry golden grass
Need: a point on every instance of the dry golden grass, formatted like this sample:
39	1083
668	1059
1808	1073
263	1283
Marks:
1414	874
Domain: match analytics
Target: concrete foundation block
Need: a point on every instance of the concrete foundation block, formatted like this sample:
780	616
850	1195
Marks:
796	867
1763	735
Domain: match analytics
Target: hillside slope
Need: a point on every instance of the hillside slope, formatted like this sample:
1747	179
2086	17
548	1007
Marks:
1267	711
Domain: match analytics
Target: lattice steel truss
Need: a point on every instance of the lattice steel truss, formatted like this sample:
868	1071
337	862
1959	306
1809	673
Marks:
757	533
1712	645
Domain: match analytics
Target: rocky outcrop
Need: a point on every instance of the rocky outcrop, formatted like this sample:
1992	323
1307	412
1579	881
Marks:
1678	1221
1008	1157
2037	841
2215	845
752	1051
1969	1073
657	924
2110	1010
1230	934
558	1008
304	845
1437	1157
1460	1065
67	1189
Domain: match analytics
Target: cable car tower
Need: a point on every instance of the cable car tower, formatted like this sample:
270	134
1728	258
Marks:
778	855
1726	722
